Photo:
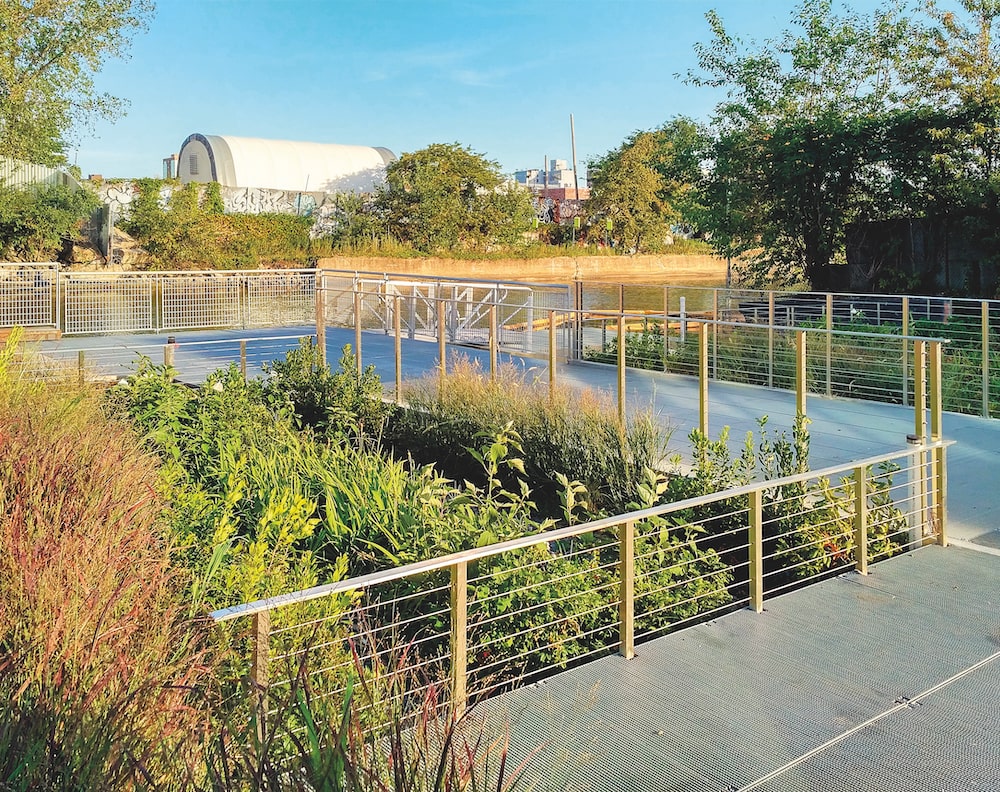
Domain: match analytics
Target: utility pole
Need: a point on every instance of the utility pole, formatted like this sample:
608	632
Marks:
572	138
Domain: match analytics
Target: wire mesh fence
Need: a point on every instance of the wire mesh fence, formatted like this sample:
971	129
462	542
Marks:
28	294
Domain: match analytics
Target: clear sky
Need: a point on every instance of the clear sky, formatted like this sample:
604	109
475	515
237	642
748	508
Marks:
500	76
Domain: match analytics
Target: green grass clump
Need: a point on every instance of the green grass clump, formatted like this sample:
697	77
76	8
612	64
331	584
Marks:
575	435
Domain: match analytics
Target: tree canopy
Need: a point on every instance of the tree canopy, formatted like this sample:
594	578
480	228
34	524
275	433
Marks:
447	197
844	120
50	51
646	185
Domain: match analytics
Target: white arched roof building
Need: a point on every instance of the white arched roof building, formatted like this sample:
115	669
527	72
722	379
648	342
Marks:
281	164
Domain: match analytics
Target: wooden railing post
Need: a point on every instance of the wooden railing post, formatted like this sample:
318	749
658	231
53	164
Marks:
320	320
459	635
169	350
861	520
552	353
939	496
829	344
703	379
397	330
621	369
936	384
442	341
985	312
493	341
243	357
770	339
357	329
79	368
756	543
906	351
920	390
801	372
626	598
715	333
259	671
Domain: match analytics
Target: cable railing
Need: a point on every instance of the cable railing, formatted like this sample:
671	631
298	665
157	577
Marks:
487	619
971	326
862	365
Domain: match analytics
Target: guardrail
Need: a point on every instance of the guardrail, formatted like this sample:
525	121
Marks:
901	369
972	326
490	617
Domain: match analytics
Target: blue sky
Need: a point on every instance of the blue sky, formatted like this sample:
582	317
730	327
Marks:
500	76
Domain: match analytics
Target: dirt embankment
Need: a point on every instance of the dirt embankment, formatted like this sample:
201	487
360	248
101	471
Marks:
690	270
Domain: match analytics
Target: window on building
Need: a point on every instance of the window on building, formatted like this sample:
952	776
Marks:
193	164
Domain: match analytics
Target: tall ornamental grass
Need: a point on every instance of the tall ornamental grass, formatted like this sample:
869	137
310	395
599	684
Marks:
97	656
564	435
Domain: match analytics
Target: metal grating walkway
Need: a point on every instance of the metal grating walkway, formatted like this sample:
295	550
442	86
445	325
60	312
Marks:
890	682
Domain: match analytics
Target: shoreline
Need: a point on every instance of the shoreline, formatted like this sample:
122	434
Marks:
688	270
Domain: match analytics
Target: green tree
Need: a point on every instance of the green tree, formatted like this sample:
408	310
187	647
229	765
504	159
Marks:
35	224
446	197
50	51
628	191
801	151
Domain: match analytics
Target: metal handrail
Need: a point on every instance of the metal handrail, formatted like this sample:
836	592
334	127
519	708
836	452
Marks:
479	553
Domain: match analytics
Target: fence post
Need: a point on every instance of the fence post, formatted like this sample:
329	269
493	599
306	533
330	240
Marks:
626	595
985	311
906	350
320	320
801	373
552	353
493	341
79	368
357	329
861	520
621	369
666	333
938	471
459	635
940	495
398	351
829	344
442	340
919	390
715	333
756	546
168	352
243	357
259	666
770	339
935	389
703	380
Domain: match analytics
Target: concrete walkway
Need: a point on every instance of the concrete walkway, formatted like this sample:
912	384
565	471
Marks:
841	430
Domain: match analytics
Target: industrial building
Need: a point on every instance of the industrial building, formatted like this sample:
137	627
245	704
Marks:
281	164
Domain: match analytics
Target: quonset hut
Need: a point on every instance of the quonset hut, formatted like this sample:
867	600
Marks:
282	164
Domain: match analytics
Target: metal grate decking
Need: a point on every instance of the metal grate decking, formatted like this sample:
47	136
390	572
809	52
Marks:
887	682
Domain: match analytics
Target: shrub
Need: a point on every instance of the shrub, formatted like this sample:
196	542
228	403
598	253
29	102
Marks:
336	404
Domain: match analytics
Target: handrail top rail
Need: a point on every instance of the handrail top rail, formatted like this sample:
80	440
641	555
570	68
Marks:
386	276
566	532
154	274
722	323
786	292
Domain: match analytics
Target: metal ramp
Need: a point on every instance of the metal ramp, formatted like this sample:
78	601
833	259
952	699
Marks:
885	682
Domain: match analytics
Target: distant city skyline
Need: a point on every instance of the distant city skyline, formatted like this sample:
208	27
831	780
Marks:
500	78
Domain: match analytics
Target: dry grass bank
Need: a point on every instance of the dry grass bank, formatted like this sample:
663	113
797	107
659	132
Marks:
690	270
